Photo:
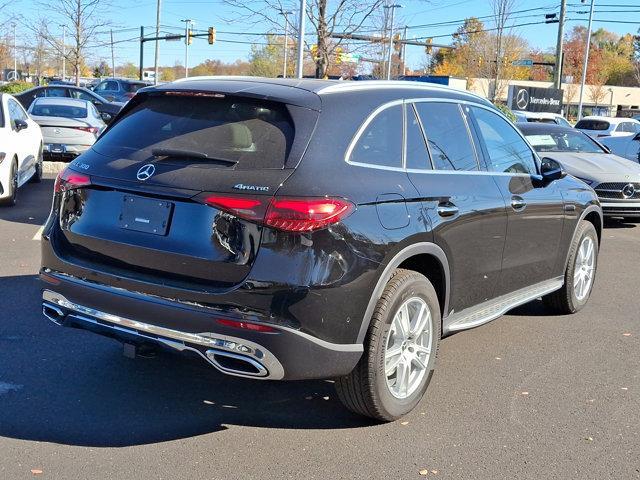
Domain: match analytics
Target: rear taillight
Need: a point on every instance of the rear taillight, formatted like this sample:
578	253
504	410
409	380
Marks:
70	180
284	213
93	130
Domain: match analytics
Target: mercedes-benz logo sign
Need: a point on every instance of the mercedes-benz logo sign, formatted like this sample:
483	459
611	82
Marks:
629	190
146	172
522	99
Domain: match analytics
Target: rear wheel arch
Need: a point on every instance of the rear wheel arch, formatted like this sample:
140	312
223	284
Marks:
426	258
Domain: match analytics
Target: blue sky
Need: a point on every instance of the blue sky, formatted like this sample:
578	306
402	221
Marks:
421	14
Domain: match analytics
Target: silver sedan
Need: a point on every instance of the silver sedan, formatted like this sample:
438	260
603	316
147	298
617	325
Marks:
69	126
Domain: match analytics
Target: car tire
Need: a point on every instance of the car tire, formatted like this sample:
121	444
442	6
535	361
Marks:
573	295
368	390
37	176
12	199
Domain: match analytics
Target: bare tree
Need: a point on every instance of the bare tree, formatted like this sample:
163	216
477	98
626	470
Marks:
83	19
501	13
326	19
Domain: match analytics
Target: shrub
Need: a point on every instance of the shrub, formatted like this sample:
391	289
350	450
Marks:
506	111
15	87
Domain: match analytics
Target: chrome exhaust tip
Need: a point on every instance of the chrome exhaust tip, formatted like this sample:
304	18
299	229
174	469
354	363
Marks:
235	364
53	313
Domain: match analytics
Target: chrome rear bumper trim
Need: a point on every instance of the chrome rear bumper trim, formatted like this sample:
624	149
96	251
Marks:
266	364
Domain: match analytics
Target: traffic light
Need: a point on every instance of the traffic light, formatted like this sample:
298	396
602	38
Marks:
212	36
189	37
429	49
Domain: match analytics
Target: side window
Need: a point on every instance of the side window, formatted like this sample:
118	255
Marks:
101	87
447	136
15	112
381	141
111	86
417	155
508	151
42	92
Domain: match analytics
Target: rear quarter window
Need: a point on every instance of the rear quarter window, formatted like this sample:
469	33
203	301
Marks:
254	134
380	143
592	125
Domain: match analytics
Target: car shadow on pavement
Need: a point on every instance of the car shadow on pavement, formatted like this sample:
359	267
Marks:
34	203
75	388
615	223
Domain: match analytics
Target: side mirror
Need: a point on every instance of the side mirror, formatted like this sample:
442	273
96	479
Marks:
106	117
20	125
551	170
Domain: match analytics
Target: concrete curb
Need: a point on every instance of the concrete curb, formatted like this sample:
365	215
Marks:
53	167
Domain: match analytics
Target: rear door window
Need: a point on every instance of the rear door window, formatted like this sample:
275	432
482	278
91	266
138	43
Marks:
251	133
447	136
380	144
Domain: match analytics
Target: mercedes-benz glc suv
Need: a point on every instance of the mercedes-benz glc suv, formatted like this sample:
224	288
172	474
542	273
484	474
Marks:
301	229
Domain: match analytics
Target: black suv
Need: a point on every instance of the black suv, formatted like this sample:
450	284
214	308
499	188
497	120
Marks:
285	229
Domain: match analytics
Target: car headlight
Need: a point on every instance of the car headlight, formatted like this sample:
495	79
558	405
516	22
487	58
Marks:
586	180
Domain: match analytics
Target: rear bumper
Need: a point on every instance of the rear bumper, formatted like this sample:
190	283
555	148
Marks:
137	318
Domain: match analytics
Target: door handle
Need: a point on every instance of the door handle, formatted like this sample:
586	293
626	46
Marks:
447	209
518	203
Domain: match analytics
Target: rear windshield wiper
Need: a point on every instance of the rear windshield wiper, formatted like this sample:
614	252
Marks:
176	153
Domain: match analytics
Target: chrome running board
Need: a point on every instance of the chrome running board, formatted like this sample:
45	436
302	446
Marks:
487	311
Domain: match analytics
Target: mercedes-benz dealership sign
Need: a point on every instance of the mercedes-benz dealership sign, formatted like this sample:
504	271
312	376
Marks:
535	99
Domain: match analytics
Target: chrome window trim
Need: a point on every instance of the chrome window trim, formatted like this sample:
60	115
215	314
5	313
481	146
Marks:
424	138
413	101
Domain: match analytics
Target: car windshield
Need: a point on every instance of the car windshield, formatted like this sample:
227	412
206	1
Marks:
249	133
133	87
563	141
64	111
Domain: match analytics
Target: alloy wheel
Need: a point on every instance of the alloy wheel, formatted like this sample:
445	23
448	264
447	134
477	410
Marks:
584	269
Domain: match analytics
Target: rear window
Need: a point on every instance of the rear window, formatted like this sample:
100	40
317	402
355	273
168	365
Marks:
64	111
133	87
254	134
592	125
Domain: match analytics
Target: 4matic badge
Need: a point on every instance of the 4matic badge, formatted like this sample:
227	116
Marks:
255	188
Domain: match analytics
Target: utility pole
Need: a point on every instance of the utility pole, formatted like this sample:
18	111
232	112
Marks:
390	51
586	60
403	50
300	62
557	72
15	55
285	14
141	51
157	54
113	58
64	53
187	29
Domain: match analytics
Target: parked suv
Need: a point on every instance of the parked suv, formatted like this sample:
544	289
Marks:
118	90
298	229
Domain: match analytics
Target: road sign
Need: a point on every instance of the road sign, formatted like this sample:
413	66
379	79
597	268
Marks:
527	62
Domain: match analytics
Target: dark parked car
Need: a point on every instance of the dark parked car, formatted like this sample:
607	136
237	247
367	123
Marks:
107	109
119	90
287	229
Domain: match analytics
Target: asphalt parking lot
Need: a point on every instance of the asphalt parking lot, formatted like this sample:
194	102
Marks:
526	396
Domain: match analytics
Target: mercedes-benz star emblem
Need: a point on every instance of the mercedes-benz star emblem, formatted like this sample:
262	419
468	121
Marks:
522	99
146	172
629	190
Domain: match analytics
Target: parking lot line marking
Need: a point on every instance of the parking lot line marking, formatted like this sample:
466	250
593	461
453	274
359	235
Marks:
38	235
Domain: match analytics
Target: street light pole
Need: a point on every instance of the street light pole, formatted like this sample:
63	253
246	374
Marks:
586	60
157	53
300	63
285	14
390	51
187	25
15	56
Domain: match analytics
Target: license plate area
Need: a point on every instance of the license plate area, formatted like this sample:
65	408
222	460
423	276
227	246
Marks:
146	215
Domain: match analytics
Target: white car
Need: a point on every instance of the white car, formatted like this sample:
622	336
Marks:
599	127
70	126
542	117
20	149
627	146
